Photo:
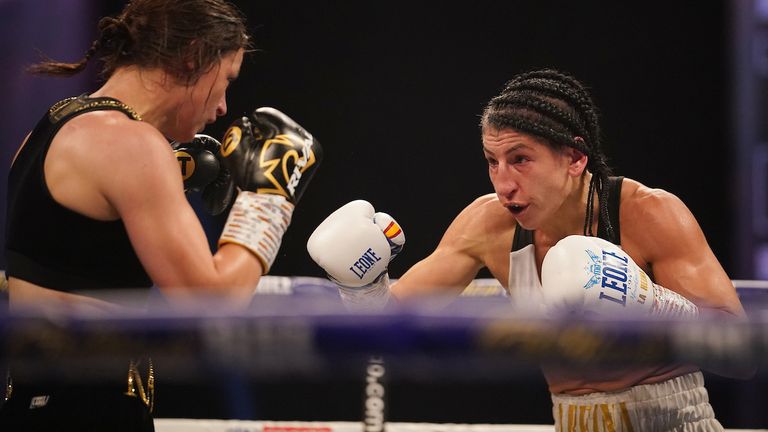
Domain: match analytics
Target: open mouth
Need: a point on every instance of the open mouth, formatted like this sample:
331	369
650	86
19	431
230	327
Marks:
516	209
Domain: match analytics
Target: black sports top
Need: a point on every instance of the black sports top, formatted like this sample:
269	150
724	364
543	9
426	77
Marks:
50	245
524	237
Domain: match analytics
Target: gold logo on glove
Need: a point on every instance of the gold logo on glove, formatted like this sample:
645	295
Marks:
186	164
301	162
231	140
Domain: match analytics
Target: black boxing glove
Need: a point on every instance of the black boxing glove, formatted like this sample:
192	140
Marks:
271	159
270	153
203	172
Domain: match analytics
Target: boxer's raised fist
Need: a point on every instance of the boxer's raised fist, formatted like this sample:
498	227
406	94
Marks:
591	276
354	245
270	153
271	159
201	171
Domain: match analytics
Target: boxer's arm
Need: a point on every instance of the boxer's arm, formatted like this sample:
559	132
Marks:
681	260
271	159
670	239
144	185
457	259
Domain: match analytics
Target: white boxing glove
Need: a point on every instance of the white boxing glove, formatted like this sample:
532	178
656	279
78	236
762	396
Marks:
591	276
354	246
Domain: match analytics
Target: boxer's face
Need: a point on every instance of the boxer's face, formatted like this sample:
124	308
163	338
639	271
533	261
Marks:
206	99
530	178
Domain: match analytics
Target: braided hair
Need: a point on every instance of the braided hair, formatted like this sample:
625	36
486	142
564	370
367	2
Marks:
183	37
556	108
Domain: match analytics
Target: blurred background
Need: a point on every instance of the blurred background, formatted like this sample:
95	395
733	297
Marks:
393	91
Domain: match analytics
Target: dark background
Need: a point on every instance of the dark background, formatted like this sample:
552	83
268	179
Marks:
393	91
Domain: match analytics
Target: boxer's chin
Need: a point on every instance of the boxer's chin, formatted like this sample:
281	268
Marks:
523	215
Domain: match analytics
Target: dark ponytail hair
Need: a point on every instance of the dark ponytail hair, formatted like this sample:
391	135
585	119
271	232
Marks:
183	37
557	108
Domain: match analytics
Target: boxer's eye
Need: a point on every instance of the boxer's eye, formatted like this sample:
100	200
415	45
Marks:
520	159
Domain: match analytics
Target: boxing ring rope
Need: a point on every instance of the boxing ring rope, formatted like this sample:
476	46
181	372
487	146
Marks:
297	326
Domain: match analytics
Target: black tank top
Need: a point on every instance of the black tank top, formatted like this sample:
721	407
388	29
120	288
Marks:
524	237
55	247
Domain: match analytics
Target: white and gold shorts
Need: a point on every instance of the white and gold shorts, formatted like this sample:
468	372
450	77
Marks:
678	404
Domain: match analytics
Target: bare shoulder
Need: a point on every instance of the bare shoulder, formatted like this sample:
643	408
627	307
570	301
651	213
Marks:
116	160
654	220
483	203
111	141
481	230
485	216
114	126
641	205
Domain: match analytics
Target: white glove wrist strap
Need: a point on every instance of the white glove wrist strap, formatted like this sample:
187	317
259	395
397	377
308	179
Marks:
258	222
371	297
668	303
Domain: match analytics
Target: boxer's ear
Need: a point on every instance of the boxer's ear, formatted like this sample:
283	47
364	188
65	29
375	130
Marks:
577	161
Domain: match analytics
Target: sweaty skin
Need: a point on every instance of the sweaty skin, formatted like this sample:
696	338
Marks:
106	166
545	190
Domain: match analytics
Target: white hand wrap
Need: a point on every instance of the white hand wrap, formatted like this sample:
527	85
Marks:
591	276
671	304
372	297
258	222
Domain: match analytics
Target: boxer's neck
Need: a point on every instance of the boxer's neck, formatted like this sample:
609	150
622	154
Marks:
569	218
152	93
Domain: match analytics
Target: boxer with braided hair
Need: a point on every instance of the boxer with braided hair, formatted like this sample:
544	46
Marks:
557	108
96	196
557	215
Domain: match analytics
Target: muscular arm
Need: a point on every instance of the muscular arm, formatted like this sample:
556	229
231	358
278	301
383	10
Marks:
664	233
662	230
467	246
143	184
